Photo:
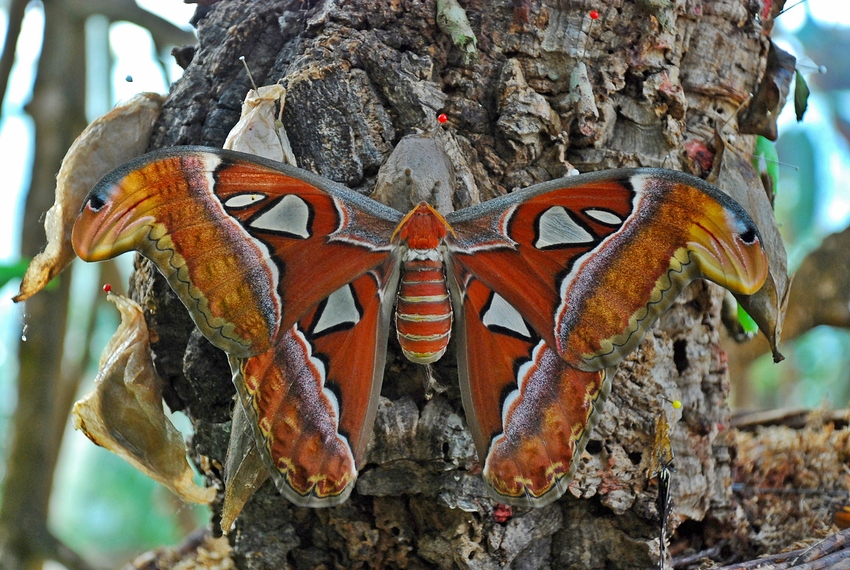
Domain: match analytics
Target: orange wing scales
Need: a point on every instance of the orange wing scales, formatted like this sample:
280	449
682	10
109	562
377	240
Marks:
611	296
177	222
531	412
313	396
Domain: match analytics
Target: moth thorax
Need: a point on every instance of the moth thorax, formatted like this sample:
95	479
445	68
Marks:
423	315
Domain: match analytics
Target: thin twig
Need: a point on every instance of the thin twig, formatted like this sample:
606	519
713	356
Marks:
825	546
831	552
710	553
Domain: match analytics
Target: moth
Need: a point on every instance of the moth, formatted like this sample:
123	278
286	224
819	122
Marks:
298	279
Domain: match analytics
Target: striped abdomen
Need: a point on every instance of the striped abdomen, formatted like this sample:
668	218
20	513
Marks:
423	315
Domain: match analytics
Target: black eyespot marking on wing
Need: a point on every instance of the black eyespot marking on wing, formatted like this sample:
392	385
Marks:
95	202
750	236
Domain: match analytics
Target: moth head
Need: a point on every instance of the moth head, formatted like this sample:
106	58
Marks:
422	228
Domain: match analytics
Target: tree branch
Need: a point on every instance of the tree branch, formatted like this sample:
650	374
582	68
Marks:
17	9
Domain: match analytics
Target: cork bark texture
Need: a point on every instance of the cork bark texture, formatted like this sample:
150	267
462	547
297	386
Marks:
657	76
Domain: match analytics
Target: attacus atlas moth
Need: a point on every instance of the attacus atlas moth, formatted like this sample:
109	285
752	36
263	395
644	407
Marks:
298	279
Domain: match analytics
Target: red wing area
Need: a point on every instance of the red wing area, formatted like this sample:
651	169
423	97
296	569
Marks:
248	245
313	395
524	249
320	237
530	413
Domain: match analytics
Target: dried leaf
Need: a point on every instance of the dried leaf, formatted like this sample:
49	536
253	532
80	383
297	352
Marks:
244	470
662	449
259	130
108	142
452	20
759	116
736	176
124	414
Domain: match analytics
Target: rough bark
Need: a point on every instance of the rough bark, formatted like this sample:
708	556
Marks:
362	74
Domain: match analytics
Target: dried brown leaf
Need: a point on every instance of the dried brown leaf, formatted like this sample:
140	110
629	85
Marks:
735	175
244	470
259	131
124	414
760	115
108	142
662	449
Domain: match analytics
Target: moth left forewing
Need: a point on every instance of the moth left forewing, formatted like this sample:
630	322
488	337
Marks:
530	413
312	398
322	235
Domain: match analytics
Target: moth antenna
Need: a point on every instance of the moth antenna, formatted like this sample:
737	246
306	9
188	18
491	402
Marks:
435	193
248	71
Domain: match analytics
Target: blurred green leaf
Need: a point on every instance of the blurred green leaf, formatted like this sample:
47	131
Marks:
747	322
14	270
801	96
115	508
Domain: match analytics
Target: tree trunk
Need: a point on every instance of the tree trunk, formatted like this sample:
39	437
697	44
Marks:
361	75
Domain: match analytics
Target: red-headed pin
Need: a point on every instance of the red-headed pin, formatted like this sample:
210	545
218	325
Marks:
107	288
594	15
442	118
